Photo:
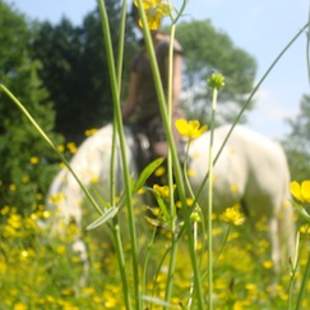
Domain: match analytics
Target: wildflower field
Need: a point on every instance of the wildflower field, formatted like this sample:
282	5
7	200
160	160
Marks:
142	246
40	272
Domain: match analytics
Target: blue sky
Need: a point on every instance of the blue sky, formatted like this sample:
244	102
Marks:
261	27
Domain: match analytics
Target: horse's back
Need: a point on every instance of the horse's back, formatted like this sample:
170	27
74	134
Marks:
251	168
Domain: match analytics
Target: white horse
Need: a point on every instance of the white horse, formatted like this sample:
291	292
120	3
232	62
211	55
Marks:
254	166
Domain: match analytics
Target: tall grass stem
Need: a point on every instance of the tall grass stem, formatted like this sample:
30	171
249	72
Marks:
303	283
122	142
172	146
210	202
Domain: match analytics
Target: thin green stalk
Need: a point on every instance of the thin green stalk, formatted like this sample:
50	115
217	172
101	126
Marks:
244	107
116	228
225	239
171	143
122	142
146	260
52	145
210	203
171	268
196	206
191	291
294	266
121	262
224	243
303	284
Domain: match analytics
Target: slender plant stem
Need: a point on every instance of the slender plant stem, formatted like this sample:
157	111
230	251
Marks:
210	203
122	142
249	100
294	266
116	228
171	143
303	283
146	260
121	262
172	261
52	145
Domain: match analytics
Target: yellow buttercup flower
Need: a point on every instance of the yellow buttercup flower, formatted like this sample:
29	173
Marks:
90	132
72	147
61	148
190	129
160	171
20	306
267	264
161	190
301	192
34	160
155	11
305	229
233	215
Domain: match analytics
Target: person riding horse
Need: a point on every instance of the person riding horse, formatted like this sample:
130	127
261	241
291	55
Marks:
141	109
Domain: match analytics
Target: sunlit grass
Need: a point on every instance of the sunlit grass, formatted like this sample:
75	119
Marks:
39	271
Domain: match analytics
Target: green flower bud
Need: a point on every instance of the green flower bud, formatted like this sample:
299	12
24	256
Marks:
216	80
195	217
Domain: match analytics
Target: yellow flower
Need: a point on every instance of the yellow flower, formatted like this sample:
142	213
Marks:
189	202
90	132
57	198
191	172
5	210
234	188
301	192
25	179
15	221
162	191
20	306
155	11
233	215
160	171
267	264
305	229
94	179
12	187
34	160
60	148
72	147
189	129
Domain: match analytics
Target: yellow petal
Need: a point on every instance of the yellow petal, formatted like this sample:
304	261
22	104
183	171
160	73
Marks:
182	126
305	190
296	190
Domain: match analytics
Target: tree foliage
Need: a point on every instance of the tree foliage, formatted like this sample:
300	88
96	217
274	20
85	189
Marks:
75	70
297	143
206	50
21	180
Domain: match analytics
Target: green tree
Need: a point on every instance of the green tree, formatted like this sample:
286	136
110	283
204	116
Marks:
75	70
206	50
297	143
22	182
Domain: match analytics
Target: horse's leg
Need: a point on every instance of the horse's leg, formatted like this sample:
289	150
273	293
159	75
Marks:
80	248
275	242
